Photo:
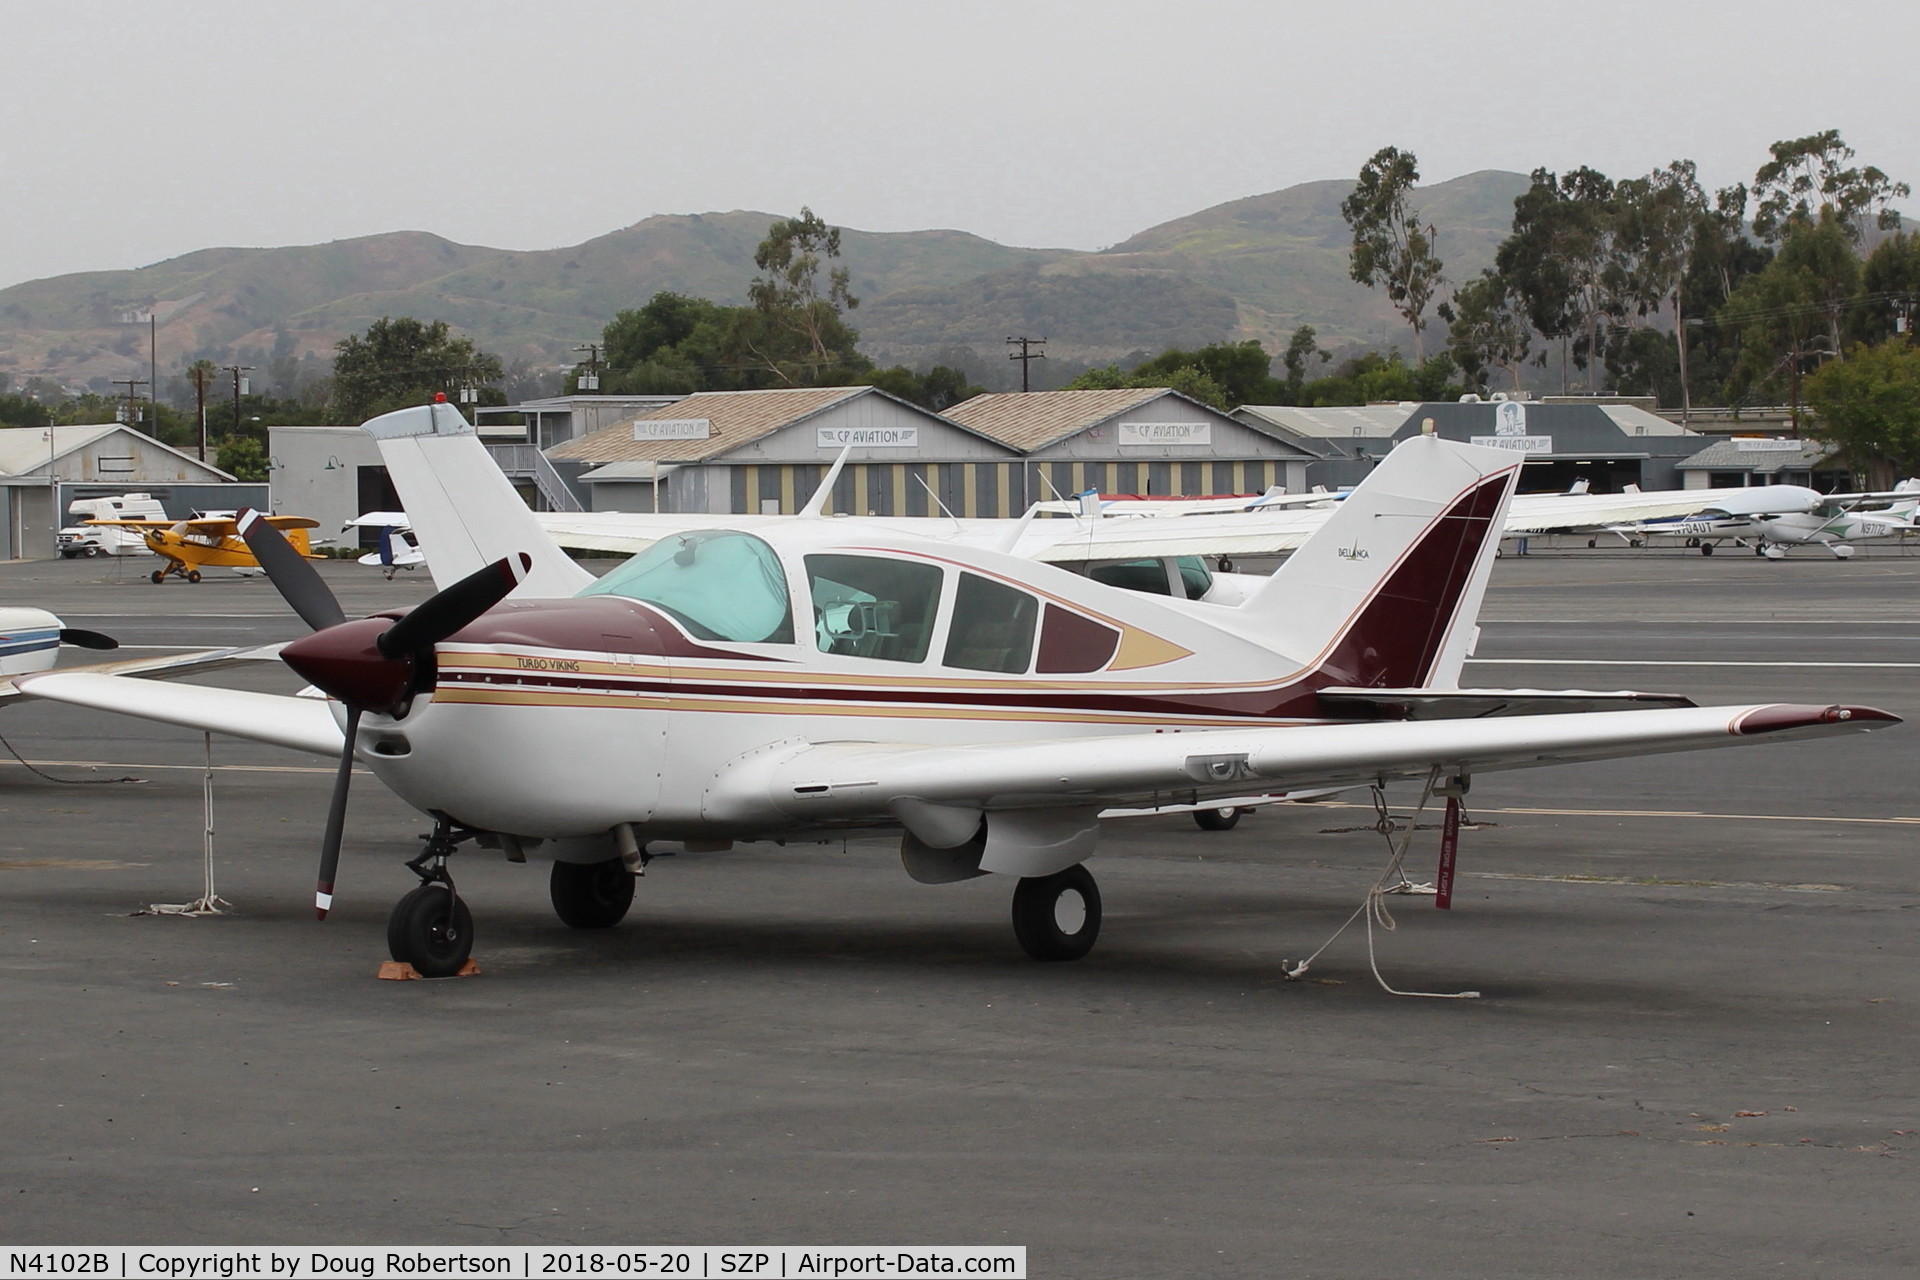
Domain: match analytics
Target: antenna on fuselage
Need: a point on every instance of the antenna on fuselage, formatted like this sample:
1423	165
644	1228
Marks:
816	507
921	481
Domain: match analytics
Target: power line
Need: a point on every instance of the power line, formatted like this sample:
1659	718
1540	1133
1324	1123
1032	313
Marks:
1026	355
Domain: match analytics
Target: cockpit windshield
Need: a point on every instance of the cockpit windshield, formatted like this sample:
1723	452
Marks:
720	585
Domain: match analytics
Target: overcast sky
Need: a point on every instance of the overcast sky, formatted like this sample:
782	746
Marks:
135	131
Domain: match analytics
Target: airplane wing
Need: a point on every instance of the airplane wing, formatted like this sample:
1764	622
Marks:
1544	512
302	724
158	666
842	781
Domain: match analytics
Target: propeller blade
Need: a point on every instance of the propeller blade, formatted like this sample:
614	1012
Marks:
87	639
336	821
299	584
445	612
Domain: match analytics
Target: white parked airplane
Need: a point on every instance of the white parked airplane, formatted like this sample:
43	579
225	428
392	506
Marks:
831	675
398	548
1771	518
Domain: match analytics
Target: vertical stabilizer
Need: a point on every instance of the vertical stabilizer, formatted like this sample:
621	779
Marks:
1386	593
464	512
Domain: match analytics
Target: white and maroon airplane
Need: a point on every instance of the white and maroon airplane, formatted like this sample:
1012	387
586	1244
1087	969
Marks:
825	675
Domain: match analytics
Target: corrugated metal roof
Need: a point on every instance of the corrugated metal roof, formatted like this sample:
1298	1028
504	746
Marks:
24	450
1636	421
1029	420
1727	455
736	418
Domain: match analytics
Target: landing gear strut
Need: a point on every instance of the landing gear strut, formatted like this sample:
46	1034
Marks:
431	927
1057	917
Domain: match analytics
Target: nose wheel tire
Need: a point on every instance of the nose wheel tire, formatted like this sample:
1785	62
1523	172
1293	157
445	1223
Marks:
1057	917
591	895
1217	819
432	930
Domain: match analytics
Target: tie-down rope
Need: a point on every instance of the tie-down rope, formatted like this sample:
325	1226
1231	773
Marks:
1392	880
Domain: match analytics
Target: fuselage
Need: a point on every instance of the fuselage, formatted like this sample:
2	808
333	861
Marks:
623	710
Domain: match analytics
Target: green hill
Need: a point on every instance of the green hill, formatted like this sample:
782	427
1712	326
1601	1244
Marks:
1252	268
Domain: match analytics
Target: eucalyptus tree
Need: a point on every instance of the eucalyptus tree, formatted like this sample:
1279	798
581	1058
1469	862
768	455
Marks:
1565	259
1815	175
1490	329
1391	247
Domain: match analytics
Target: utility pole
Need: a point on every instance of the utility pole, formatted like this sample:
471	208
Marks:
131	414
590	380
239	389
153	367
1026	354
201	376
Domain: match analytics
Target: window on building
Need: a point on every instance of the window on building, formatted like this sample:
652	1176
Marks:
872	607
992	628
719	585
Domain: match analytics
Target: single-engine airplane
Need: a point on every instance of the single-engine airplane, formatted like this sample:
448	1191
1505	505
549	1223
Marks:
398	548
830	675
1770	518
206	542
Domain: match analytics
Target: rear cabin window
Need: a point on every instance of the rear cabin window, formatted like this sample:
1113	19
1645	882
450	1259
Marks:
1148	577
869	607
719	585
1070	643
992	627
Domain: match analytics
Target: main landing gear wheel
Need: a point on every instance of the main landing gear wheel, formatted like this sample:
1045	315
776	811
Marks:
432	930
1217	819
158	576
193	575
1057	917
1706	548
591	895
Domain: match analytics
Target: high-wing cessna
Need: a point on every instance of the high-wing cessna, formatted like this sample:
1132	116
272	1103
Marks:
206	542
827	675
398	548
1770	518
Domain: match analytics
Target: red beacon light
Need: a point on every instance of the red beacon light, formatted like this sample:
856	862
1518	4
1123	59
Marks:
439	397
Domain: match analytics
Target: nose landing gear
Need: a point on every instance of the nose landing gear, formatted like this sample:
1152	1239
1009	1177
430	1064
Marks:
431	928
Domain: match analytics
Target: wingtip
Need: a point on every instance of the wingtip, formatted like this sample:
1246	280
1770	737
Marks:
1785	716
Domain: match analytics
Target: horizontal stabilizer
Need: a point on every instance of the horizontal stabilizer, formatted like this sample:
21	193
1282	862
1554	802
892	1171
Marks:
299	724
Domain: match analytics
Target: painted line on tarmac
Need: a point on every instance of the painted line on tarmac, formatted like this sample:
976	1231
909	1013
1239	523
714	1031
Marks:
1655	813
1686	662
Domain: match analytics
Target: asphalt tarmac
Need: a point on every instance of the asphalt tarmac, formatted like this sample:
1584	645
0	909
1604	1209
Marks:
1693	1054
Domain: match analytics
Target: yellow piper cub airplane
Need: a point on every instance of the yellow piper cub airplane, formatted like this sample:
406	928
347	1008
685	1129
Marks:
208	542
821	676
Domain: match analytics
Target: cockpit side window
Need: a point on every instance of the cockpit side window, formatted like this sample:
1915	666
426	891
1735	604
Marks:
992	627
718	584
873	607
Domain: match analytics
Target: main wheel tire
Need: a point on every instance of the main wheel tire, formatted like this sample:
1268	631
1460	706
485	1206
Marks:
193	575
158	576
432	930
1706	548
1057	917
591	895
1217	819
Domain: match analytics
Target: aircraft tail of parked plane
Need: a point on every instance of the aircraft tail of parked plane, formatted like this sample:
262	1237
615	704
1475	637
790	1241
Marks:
462	507
1386	592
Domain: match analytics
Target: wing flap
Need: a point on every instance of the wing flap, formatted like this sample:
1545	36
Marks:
301	724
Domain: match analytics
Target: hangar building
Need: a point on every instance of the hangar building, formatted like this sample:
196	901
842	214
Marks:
1151	441
766	451
94	461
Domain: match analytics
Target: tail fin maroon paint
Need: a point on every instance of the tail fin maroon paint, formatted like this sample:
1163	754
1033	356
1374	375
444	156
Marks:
1386	593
